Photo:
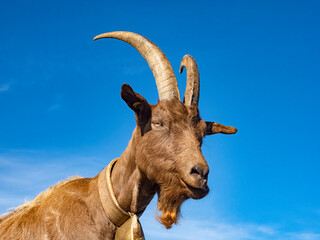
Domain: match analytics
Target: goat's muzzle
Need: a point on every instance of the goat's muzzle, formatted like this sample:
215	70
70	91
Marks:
196	180
200	174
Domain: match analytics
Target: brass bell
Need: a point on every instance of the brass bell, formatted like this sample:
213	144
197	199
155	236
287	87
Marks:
130	230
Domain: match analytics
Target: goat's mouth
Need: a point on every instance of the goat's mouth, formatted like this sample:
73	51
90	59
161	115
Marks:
196	192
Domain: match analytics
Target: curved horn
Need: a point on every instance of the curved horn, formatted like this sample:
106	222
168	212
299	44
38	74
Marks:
192	92
160	66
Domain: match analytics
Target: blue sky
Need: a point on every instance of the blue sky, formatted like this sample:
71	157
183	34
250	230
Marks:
61	113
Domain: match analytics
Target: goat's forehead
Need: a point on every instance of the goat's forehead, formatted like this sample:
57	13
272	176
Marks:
173	109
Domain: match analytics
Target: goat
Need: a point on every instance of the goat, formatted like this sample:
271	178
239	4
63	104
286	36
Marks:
163	157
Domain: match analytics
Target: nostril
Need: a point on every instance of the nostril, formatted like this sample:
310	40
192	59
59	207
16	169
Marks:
195	171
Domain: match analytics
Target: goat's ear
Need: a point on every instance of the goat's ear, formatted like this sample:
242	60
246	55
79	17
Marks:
213	127
137	103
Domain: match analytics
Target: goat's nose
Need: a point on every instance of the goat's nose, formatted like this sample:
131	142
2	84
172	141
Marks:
200	172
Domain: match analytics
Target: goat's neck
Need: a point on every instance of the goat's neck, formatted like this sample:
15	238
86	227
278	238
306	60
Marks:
132	189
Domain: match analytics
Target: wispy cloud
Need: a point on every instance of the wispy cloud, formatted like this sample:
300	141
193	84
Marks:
21	180
197	229
4	88
54	107
24	174
304	236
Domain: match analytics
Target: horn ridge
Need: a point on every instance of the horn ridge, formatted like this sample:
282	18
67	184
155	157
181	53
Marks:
192	92
159	64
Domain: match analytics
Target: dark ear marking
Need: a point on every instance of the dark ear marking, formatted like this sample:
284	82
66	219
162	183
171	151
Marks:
138	104
213	128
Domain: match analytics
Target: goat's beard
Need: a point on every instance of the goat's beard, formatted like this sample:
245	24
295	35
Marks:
170	200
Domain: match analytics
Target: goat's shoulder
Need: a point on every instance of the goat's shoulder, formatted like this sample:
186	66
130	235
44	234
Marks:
67	205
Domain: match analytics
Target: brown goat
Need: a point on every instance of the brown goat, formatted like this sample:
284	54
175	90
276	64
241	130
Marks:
163	156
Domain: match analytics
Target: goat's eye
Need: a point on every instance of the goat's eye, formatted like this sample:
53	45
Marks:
157	124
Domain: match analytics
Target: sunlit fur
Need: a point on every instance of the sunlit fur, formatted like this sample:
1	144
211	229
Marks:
169	210
165	152
28	206
165	144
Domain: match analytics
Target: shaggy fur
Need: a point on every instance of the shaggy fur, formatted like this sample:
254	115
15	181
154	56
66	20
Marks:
163	156
69	210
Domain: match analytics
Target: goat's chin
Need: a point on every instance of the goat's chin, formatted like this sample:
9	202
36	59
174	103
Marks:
171	195
168	218
169	205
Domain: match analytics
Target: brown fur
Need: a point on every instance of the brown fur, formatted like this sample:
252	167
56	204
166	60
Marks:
160	158
61	212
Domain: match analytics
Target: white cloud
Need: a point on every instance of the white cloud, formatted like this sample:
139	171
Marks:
304	236
9	200
219	230
23	177
21	180
4	88
196	229
216	228
54	107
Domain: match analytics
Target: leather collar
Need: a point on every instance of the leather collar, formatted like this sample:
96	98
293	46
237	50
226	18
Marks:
114	212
